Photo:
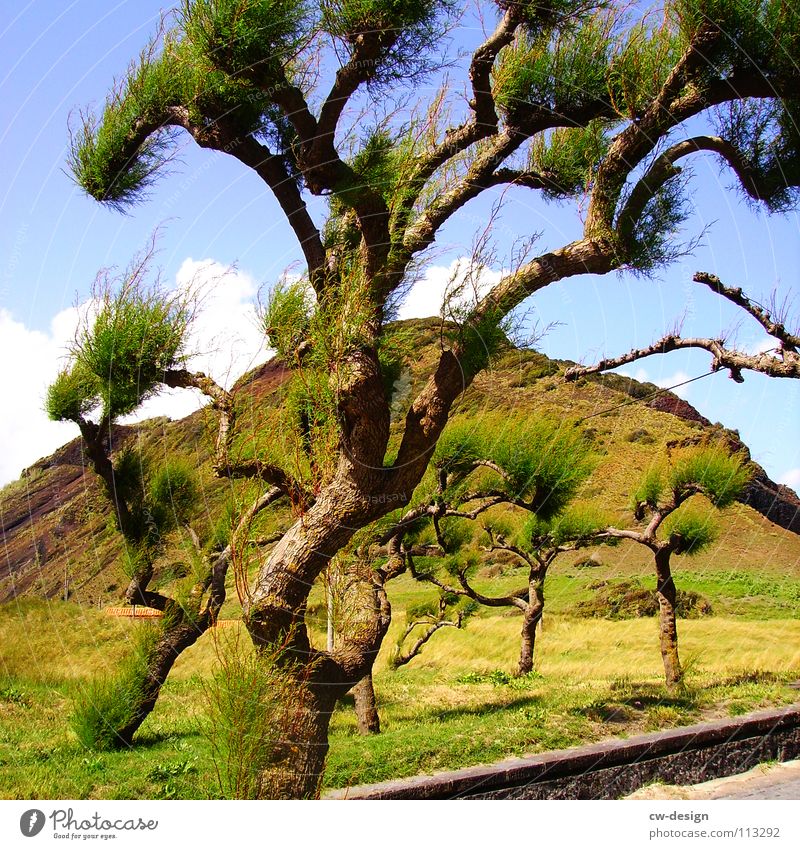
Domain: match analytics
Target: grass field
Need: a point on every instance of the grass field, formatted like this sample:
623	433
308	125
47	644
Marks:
453	706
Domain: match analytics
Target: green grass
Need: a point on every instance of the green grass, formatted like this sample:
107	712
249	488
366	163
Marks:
454	706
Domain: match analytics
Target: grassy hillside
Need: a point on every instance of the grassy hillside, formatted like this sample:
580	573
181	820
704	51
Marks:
58	540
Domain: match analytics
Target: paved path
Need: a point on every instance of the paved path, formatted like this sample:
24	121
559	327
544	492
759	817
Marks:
766	781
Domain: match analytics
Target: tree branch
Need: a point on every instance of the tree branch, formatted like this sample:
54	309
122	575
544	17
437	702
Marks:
222	401
775	328
682	96
786	364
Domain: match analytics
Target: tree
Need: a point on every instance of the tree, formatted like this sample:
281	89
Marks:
131	341
670	528
571	100
534	469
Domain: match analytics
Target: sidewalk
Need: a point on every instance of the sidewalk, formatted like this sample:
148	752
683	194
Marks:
765	781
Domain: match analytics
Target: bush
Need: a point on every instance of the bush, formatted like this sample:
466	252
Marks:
630	600
106	705
641	435
253	715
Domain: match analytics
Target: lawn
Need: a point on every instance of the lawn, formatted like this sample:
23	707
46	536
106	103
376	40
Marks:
453	706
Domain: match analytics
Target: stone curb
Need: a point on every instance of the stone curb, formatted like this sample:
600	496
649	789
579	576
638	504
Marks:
613	768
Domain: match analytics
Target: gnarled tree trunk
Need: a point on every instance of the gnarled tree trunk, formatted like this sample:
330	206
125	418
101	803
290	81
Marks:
667	616
321	678
178	635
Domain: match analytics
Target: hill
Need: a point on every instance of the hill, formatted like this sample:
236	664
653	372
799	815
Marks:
58	542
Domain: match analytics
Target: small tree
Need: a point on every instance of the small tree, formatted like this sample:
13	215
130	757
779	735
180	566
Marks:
668	528
574	101
532	468
130	343
424	619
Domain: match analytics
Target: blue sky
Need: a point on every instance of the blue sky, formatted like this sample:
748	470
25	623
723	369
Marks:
58	57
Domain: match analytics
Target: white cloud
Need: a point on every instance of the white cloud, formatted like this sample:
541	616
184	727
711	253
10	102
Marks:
642	375
225	340
29	361
761	346
426	296
792	479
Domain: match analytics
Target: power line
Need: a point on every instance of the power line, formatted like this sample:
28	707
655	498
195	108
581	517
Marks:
645	397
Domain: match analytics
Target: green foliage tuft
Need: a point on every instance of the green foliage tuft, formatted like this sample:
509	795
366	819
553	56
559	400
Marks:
568	70
764	34
650	489
254	720
287	317
402	32
568	158
255	39
652	242
105	706
690	531
173	492
136	335
577	525
460	446
72	395
116	156
645	56
456	534
544	462
719	475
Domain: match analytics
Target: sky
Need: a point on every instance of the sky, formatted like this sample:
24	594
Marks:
218	223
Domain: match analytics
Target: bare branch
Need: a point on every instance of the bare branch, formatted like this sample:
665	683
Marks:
770	323
402	658
784	364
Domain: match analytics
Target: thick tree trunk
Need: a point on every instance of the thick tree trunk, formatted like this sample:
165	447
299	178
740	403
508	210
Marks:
667	626
530	622
299	766
369	721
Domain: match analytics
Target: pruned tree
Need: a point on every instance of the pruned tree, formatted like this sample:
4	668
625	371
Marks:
130	342
533	469
573	101
668	528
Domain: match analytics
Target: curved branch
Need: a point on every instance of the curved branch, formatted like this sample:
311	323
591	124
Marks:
682	96
221	134
484	119
663	168
785	364
401	659
514	600
222	401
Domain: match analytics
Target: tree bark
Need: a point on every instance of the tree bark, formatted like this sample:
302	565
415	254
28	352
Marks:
369	721
299	766
667	626
530	622
175	639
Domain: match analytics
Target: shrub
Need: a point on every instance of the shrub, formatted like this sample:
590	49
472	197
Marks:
630	600
106	705
253	714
